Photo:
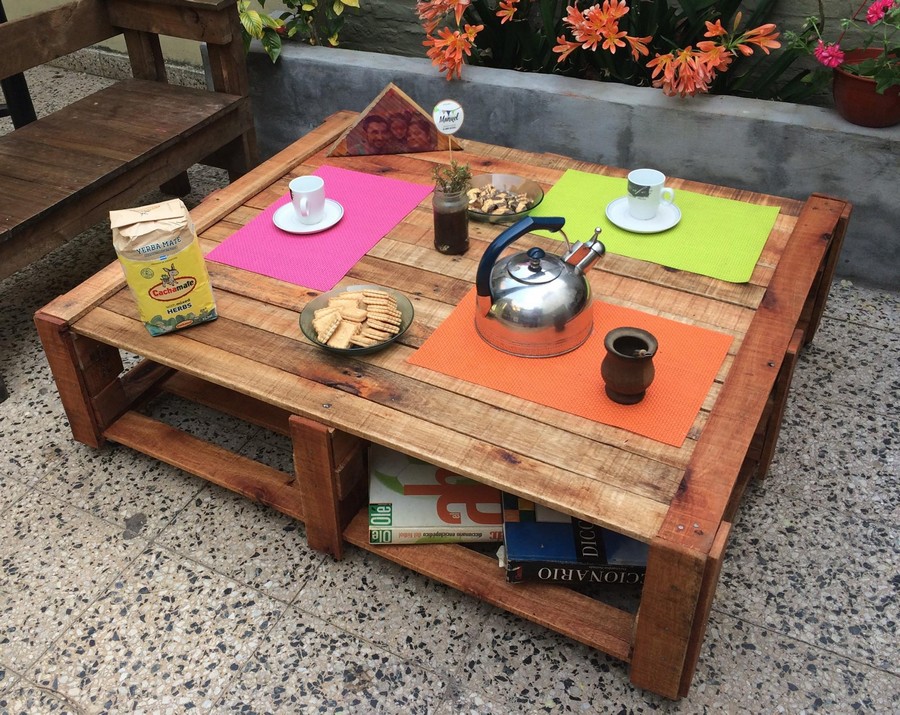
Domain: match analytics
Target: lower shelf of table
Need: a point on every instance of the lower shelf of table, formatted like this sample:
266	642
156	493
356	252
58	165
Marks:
561	609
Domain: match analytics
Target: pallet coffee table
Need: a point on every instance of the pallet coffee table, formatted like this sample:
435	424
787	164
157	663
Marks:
255	363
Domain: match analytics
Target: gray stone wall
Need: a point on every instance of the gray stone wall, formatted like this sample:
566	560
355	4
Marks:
389	26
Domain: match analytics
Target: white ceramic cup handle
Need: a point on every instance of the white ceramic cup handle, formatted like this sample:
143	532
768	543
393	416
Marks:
668	195
304	206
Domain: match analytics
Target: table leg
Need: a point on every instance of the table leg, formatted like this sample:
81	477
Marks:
84	370
779	395
330	467
815	303
666	620
19	106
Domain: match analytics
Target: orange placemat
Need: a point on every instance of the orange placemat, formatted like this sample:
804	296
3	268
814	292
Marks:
686	365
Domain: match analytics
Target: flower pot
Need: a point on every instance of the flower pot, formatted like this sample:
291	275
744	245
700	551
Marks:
857	101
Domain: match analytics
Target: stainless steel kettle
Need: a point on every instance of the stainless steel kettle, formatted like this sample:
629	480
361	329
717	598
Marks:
534	304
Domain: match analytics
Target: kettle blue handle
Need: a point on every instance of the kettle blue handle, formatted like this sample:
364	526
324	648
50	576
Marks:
526	225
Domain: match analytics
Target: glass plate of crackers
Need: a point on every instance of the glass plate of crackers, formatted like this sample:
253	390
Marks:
356	320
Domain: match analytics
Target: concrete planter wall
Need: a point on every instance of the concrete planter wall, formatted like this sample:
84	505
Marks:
770	147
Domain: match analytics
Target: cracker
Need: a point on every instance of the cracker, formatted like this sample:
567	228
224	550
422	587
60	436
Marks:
358	319
386	327
361	341
379	335
357	315
321	312
341	337
343	303
327	327
384	310
378	297
385	317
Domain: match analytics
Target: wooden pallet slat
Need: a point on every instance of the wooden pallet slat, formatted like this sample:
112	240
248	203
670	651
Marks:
218	465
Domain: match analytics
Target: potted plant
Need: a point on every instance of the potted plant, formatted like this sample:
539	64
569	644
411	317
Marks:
866	77
450	204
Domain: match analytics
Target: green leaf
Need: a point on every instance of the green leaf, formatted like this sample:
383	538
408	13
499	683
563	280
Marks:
271	42
252	23
272	22
351	3
338	7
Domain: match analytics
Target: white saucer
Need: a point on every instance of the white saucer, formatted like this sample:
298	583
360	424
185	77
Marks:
668	215
286	218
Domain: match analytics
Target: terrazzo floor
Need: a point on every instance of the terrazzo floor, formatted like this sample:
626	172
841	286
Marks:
129	586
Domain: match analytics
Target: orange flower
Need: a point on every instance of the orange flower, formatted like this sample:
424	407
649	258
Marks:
432	12
681	73
663	70
447	50
639	45
507	10
615	10
717	58
762	36
715	29
612	40
565	47
599	25
586	33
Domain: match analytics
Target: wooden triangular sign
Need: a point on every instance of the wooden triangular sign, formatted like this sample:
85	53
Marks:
392	124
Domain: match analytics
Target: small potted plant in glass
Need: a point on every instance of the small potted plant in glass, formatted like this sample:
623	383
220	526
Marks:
450	204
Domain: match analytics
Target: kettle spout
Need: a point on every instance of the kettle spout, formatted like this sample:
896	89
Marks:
584	255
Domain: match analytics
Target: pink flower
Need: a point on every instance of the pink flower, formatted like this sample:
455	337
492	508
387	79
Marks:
877	10
829	55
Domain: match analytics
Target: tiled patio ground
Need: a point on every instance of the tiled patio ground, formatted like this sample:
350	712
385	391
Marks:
129	586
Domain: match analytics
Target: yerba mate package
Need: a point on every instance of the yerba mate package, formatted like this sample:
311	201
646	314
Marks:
161	258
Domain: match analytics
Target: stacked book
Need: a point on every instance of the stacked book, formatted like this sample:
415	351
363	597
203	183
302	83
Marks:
540	544
414	502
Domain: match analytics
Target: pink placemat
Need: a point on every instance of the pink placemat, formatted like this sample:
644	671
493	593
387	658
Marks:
373	205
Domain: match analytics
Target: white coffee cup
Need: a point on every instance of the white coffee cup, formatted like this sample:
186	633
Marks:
646	191
308	198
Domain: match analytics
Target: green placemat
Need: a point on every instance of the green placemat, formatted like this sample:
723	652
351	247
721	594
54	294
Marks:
716	237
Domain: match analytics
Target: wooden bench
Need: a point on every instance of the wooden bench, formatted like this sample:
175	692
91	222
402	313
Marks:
64	172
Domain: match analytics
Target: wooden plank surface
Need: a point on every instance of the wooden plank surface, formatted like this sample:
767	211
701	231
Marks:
62	30
198	20
138	120
593	471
